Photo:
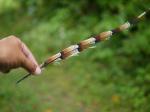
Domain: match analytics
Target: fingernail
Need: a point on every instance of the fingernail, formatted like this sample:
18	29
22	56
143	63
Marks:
37	71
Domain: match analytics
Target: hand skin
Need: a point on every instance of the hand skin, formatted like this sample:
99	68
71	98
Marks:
14	54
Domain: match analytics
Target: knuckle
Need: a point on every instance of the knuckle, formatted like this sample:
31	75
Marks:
14	38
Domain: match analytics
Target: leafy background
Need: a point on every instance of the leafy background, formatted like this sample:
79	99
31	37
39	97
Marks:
113	77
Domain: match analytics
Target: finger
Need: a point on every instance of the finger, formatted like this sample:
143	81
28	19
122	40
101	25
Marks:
28	53
30	66
29	61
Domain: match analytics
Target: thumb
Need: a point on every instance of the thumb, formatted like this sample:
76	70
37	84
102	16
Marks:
28	61
30	66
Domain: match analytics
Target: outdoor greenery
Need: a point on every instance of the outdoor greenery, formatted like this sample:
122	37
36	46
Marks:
113	77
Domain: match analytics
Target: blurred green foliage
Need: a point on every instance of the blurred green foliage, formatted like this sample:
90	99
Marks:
114	77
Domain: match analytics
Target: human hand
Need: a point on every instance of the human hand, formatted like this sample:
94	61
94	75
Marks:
14	54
